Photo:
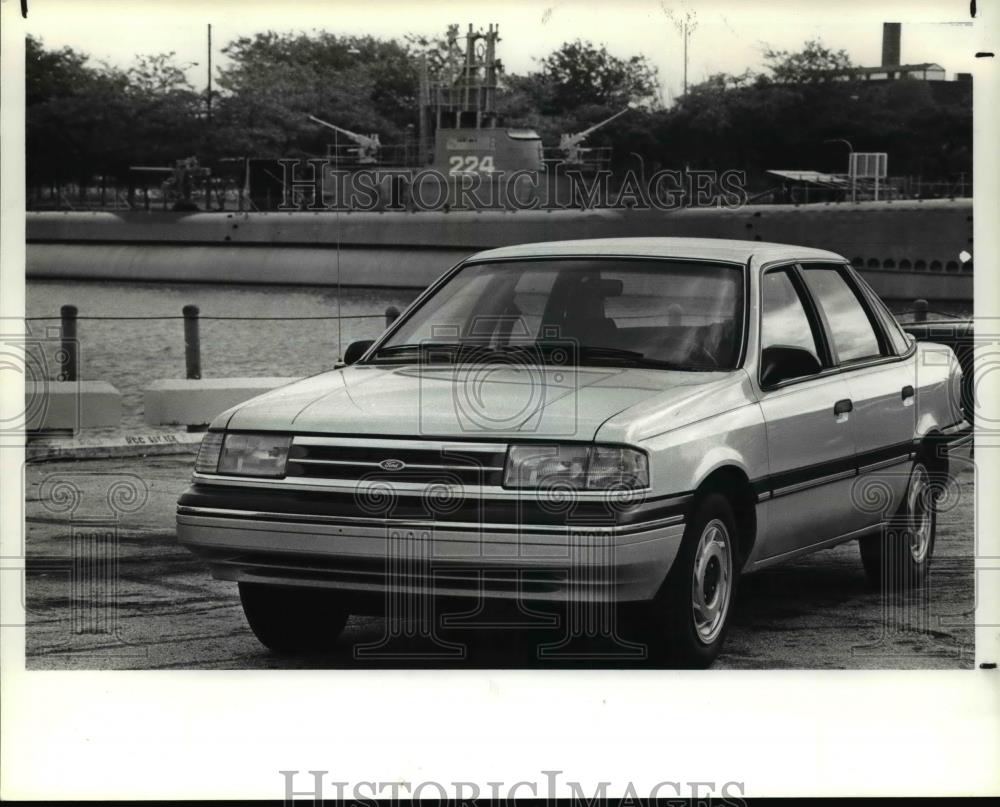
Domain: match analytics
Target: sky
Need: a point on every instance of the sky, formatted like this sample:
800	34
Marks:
730	35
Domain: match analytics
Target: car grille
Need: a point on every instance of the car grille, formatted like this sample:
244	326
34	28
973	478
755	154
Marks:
416	461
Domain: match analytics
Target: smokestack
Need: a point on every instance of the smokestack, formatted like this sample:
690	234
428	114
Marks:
890	43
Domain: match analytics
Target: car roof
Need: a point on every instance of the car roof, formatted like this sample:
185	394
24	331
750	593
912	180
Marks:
720	249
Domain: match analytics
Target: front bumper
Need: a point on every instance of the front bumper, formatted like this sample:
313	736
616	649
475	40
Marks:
364	555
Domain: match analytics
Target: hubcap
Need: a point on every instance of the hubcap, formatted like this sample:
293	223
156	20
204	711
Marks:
918	509
711	584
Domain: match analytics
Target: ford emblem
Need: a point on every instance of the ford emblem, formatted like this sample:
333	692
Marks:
392	465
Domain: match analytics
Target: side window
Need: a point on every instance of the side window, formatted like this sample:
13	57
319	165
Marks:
900	344
784	322
851	331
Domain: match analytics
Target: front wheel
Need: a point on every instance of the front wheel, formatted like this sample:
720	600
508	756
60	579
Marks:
691	611
293	620
899	557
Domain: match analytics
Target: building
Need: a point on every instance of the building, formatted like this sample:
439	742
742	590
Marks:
926	71
891	69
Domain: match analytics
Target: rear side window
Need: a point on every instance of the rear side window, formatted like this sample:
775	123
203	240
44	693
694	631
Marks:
900	344
851	331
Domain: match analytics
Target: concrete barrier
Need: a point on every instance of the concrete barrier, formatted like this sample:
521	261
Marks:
51	405
195	402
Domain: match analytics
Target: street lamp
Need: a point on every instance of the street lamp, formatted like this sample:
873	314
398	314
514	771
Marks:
850	162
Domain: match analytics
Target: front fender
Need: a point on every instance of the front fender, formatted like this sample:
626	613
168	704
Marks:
681	459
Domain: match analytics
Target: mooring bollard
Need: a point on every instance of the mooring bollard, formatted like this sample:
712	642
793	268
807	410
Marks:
192	342
391	315
68	343
920	310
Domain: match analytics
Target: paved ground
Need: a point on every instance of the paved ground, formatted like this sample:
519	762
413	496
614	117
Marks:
133	599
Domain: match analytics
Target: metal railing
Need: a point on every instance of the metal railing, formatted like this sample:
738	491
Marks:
69	339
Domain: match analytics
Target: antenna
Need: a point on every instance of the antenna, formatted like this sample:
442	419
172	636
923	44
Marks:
336	209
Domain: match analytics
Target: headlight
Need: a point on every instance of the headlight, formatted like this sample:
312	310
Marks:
617	468
254	454
575	466
208	453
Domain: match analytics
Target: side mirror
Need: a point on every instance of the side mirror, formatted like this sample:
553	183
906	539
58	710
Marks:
356	350
782	362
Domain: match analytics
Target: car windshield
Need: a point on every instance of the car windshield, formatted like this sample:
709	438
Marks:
671	314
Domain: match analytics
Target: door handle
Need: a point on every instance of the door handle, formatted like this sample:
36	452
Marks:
906	393
843	406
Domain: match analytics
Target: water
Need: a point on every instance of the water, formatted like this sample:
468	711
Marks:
131	353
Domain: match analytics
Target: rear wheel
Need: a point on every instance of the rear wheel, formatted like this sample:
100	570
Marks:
293	620
691	612
900	555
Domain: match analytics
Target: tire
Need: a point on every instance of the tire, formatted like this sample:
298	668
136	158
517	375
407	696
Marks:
690	615
899	557
293	620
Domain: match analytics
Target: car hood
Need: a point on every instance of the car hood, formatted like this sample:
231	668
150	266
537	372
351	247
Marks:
463	401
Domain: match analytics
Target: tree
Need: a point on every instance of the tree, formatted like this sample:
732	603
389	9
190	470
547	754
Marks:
51	73
580	73
165	115
72	113
84	120
276	80
814	63
784	118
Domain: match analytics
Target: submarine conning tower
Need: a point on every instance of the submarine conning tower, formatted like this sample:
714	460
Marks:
459	129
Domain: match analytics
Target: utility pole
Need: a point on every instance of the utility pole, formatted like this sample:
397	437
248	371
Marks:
685	57
685	25
208	95
690	24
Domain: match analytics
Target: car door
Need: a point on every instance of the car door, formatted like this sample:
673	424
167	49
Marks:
808	425
881	386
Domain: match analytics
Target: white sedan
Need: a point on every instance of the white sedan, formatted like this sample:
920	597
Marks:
617	424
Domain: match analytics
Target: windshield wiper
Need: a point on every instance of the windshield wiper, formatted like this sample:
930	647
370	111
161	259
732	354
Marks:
391	350
581	353
599	352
